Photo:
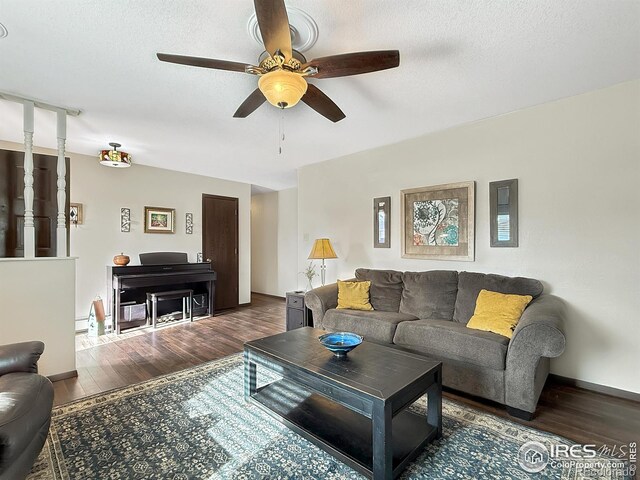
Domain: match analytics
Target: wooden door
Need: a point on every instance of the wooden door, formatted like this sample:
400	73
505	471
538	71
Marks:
45	204
220	245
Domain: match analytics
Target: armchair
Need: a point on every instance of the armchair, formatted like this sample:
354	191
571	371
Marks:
26	399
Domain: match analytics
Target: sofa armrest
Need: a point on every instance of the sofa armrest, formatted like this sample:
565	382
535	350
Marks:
542	321
321	299
20	357
539	334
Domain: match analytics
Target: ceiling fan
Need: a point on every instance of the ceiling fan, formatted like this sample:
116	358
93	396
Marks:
283	71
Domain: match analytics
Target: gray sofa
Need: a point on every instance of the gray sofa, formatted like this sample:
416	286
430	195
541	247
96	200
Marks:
26	399
427	313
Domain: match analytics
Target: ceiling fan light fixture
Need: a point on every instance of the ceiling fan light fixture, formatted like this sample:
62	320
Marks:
281	88
114	158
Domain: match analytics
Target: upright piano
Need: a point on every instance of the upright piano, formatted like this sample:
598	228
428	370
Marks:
158	272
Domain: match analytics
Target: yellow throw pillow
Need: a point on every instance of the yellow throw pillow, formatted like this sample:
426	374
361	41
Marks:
498	312
354	295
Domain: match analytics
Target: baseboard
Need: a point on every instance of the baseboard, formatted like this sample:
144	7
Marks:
82	325
268	295
595	387
63	376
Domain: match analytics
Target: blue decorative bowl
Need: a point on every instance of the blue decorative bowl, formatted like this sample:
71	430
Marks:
339	343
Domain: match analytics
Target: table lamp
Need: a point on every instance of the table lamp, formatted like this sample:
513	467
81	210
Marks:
322	249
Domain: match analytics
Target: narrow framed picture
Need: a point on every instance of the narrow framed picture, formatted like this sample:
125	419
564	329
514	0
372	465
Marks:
438	222
382	222
188	223
125	220
503	211
159	220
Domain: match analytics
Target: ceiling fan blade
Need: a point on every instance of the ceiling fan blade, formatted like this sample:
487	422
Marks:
252	102
203	62
354	63
274	26
322	104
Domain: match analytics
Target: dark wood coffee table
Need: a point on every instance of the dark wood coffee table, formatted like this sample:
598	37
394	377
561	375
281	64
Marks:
354	408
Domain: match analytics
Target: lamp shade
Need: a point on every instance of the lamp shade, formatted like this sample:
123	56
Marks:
282	88
322	249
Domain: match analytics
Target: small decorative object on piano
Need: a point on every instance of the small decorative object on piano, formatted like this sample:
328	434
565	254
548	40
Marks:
121	260
96	318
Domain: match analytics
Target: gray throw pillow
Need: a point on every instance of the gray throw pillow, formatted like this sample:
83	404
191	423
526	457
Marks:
386	288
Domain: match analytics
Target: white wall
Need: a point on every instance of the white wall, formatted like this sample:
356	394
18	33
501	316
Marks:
264	243
274	245
37	298
103	191
577	161
288	240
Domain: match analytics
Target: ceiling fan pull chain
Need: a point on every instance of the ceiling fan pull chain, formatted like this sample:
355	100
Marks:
280	133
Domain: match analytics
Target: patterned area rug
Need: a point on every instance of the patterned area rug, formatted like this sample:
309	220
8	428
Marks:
194	424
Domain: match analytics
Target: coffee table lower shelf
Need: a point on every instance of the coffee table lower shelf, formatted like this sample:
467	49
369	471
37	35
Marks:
340	431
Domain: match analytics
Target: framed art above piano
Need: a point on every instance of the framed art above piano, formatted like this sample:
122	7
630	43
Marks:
159	220
158	272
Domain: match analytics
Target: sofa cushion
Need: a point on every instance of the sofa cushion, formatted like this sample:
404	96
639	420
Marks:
429	294
451	340
386	288
470	284
377	326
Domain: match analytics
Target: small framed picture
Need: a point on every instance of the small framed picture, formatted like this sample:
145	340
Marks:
188	223
75	214
125	219
503	211
381	222
159	220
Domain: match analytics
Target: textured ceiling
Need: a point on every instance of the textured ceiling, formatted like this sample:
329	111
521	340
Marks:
460	61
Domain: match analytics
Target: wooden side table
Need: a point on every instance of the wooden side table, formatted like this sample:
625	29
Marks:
298	315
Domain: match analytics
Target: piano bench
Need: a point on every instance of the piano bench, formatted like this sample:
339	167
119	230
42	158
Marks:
185	295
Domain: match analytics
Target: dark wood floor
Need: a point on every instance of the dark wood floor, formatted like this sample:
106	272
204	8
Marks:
580	415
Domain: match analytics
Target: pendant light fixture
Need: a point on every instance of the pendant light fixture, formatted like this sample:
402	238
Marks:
114	158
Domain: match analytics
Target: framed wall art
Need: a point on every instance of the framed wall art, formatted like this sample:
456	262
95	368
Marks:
125	220
438	222
188	223
76	216
503	213
381	222
159	220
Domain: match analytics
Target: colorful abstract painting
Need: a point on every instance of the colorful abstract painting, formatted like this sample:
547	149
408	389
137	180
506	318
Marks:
435	222
438	222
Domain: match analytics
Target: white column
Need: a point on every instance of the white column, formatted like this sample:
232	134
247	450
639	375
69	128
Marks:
61	233
29	228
